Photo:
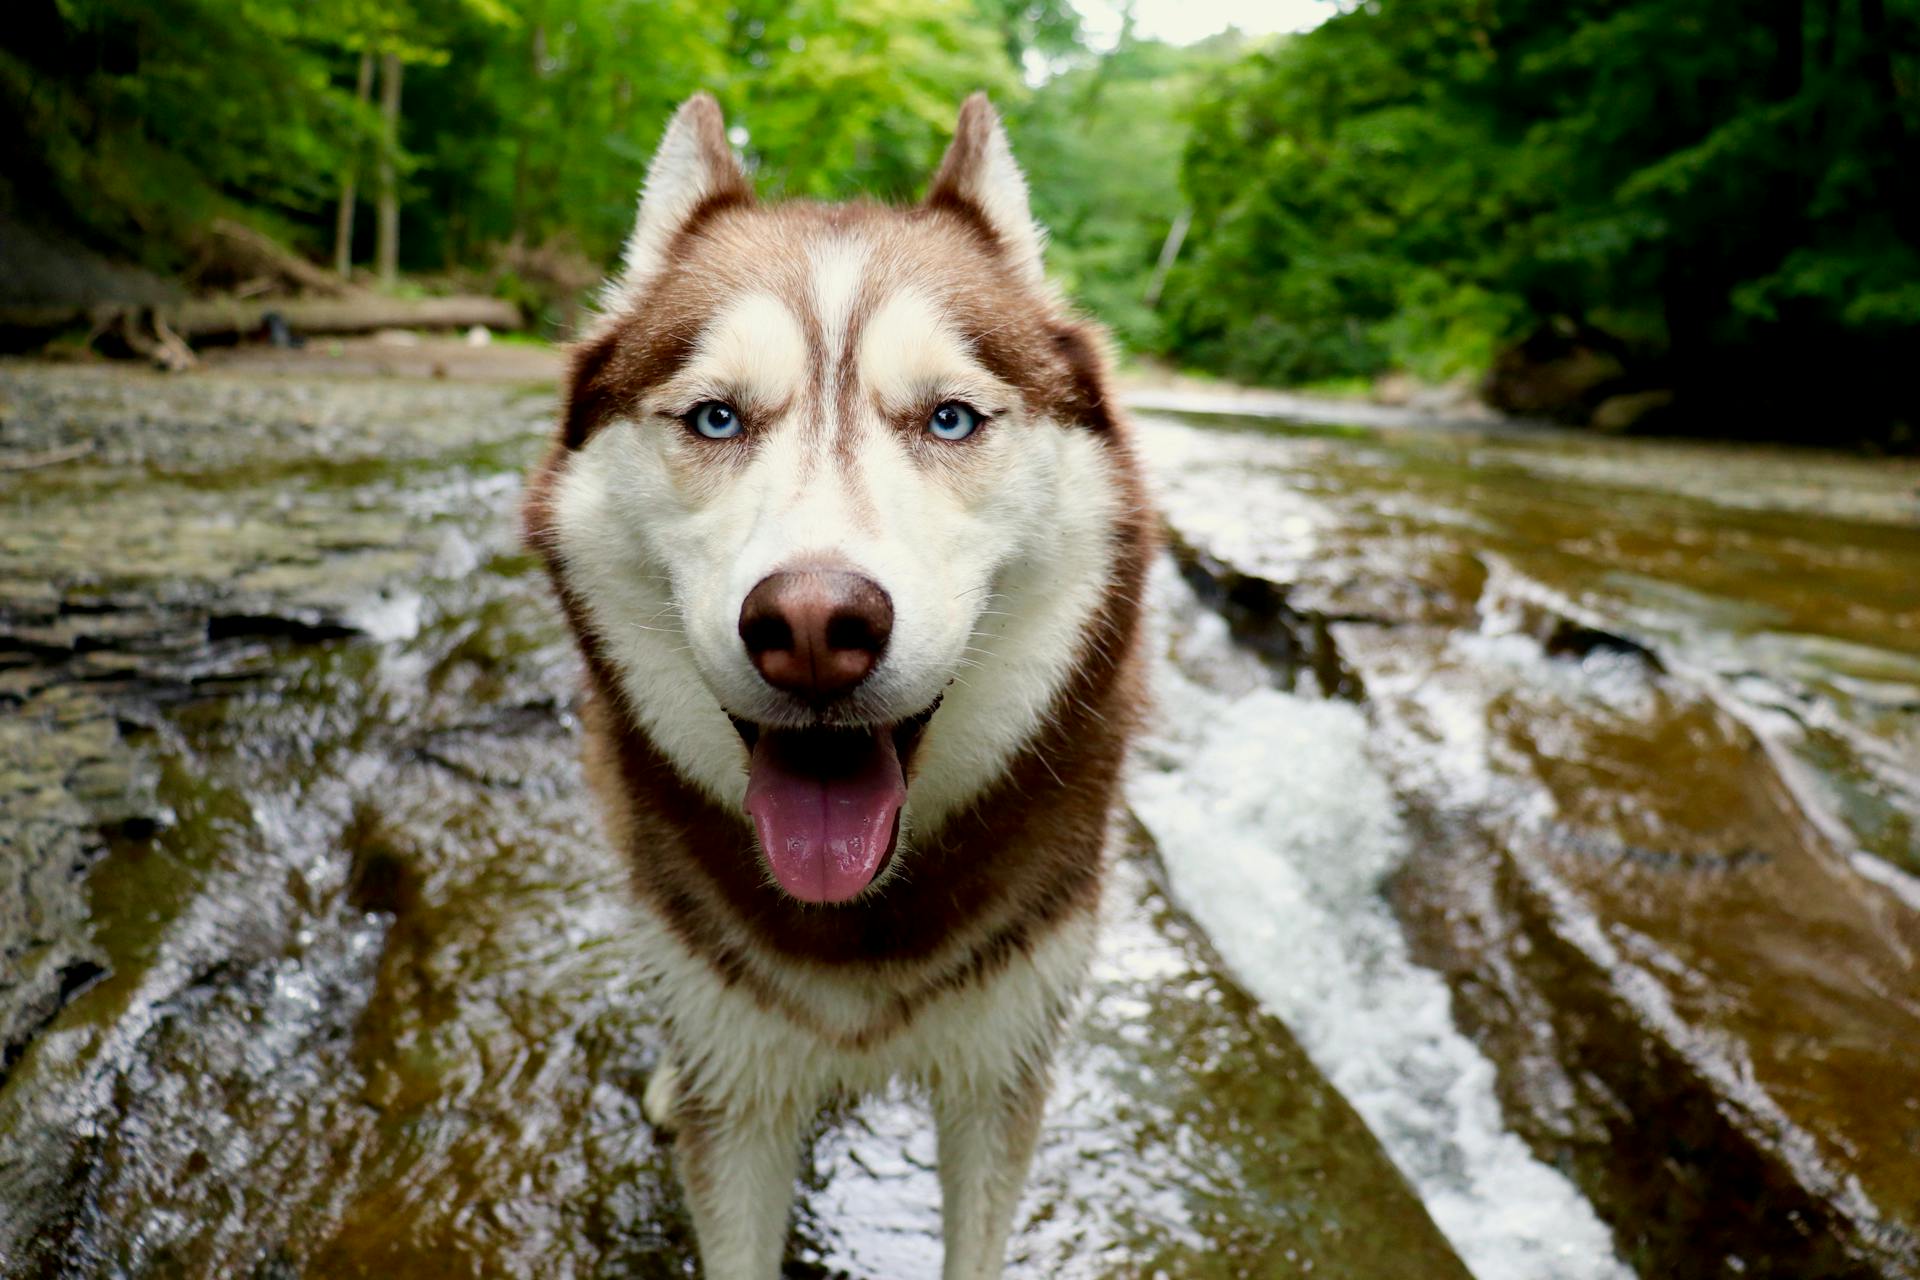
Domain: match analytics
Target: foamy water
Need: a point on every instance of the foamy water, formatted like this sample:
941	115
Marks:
1277	832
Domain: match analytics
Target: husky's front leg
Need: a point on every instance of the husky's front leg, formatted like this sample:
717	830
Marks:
737	1168
987	1138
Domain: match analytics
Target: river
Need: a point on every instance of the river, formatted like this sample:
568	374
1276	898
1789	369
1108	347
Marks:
1520	879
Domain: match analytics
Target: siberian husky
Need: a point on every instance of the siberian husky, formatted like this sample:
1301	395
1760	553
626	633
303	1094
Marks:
853	540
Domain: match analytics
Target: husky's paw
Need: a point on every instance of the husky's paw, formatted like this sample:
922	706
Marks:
661	1101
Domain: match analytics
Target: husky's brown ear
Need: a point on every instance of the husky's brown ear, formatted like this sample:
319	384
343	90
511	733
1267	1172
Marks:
979	180
693	172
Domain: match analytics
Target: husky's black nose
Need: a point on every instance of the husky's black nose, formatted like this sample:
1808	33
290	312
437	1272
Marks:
816	633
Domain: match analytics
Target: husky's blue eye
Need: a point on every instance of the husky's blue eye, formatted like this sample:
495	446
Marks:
953	421
716	420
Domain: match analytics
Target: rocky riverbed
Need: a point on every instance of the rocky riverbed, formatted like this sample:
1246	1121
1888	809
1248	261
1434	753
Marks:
1521	882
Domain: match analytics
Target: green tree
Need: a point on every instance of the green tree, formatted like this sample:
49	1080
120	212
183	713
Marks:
844	96
523	121
137	120
1725	193
1102	147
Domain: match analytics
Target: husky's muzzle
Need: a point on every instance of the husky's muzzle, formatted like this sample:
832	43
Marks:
825	801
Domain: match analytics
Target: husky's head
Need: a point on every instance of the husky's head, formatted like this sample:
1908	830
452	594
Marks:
834	497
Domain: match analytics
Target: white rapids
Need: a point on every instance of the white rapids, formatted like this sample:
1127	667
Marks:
1277	832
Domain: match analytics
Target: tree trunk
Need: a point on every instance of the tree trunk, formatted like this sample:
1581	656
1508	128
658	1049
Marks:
386	245
141	325
1825	83
343	217
216	318
523	142
1169	250
1899	149
1788	69
1787	81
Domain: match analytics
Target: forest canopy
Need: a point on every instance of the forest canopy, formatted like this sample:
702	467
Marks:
1710	205
1719	199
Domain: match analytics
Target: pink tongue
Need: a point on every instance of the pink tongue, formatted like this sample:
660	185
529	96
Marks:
825	806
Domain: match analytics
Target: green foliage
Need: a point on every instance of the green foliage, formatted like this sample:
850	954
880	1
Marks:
1724	194
144	117
526	125
523	121
846	96
539	120
1731	190
1102	146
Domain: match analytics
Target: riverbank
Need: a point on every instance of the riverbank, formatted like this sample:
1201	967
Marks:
315	923
1524	869
1649	714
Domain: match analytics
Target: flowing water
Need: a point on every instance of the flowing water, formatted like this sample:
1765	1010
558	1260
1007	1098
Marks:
1519	881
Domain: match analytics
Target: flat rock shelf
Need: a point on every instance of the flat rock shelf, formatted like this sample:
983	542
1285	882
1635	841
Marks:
1520	881
1650	717
314	964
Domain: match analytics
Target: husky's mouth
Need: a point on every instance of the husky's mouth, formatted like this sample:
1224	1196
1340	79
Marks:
826	802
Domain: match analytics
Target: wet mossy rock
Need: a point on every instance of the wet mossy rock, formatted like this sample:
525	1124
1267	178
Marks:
359	971
68	786
318	930
1557	372
1656	756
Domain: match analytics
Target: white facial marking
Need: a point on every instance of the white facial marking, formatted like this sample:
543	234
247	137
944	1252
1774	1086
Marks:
910	354
1028	625
995	556
754	350
839	266
615	565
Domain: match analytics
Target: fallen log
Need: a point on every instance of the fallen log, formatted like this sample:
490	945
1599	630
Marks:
230	318
204	318
232	253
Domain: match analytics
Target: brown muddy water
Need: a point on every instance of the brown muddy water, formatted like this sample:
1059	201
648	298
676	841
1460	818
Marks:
1521	882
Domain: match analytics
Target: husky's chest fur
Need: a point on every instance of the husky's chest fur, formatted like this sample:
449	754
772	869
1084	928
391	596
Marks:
853	543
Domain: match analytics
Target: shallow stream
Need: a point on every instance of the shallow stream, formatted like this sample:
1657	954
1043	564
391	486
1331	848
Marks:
1520	881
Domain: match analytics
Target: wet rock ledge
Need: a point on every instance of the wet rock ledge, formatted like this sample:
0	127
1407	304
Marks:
316	964
1702	996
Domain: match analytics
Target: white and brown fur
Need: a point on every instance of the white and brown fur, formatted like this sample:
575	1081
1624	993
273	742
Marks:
1015	561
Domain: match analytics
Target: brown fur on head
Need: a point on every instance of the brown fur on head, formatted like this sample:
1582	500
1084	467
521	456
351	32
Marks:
966	239
1015	559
